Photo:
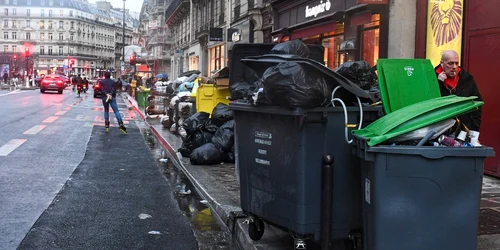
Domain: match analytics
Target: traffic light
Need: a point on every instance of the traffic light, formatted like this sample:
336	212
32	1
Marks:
132	60
14	58
71	63
27	52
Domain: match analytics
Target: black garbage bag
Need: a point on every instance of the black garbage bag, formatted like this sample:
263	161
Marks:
294	47
207	154
200	138
210	126
221	114
195	122
224	137
289	85
185	152
360	73
170	89
229	157
244	90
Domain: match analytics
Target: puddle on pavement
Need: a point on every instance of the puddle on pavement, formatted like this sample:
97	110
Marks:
208	232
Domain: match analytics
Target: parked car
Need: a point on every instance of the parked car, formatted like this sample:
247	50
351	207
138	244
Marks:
97	88
52	82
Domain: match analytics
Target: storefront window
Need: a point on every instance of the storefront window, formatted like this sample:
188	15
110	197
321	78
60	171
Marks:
193	62
370	40
331	42
217	58
332	45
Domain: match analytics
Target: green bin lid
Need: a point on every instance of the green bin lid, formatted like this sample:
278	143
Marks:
404	82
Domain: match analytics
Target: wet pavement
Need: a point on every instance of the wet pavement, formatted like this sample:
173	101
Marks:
207	230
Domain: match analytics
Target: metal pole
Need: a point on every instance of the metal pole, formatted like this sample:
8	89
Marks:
326	202
27	72
123	36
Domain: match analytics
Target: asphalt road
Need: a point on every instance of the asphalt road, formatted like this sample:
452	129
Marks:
61	184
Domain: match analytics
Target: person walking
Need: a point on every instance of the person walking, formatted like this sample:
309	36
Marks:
5	77
109	99
453	80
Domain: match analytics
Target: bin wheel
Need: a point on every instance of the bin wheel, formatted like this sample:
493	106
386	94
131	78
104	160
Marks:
256	229
300	244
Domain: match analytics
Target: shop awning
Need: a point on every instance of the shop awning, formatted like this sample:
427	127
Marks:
143	68
314	26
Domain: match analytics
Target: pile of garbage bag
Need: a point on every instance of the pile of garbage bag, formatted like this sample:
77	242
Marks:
287	77
209	140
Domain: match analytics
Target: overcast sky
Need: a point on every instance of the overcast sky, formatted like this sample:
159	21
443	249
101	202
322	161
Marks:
132	5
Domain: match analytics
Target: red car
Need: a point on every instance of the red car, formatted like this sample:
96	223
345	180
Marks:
97	88
53	83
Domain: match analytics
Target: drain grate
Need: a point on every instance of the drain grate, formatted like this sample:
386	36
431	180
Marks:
489	222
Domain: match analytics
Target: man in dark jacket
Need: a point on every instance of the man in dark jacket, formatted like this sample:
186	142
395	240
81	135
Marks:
453	80
108	88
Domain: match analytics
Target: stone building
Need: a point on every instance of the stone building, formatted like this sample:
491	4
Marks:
65	36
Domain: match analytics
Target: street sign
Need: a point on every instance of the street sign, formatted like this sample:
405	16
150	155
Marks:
122	63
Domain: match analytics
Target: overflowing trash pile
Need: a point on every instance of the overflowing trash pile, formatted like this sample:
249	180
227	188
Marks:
209	140
174	99
287	77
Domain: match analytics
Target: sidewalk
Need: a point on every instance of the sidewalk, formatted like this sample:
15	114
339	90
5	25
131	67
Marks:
20	87
219	186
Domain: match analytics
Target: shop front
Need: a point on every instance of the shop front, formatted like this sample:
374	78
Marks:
194	57
349	31
216	57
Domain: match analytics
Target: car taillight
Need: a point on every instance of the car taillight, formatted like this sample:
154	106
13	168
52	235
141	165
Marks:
59	81
97	85
45	81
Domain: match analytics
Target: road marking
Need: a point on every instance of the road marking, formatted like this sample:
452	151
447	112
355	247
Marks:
61	112
51	119
11	146
67	108
17	91
34	130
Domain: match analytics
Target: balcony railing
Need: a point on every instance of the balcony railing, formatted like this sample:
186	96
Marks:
173	7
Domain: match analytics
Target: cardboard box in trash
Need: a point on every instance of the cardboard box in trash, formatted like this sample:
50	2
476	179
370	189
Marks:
220	78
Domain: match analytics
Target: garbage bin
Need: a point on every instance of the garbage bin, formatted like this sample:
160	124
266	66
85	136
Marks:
142	98
420	197
279	160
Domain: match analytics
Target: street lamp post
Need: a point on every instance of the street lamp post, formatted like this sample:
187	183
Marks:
123	38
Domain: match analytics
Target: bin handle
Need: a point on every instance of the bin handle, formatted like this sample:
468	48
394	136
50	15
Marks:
349	141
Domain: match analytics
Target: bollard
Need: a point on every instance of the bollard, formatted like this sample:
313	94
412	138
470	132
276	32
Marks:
326	201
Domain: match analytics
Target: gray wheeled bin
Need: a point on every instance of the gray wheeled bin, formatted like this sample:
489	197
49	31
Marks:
420	197
279	159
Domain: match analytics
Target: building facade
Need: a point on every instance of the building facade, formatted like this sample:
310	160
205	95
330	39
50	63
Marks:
65	36
154	37
203	31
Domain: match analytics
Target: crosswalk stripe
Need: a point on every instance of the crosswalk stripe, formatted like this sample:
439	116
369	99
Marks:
51	119
34	130
61	112
11	146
